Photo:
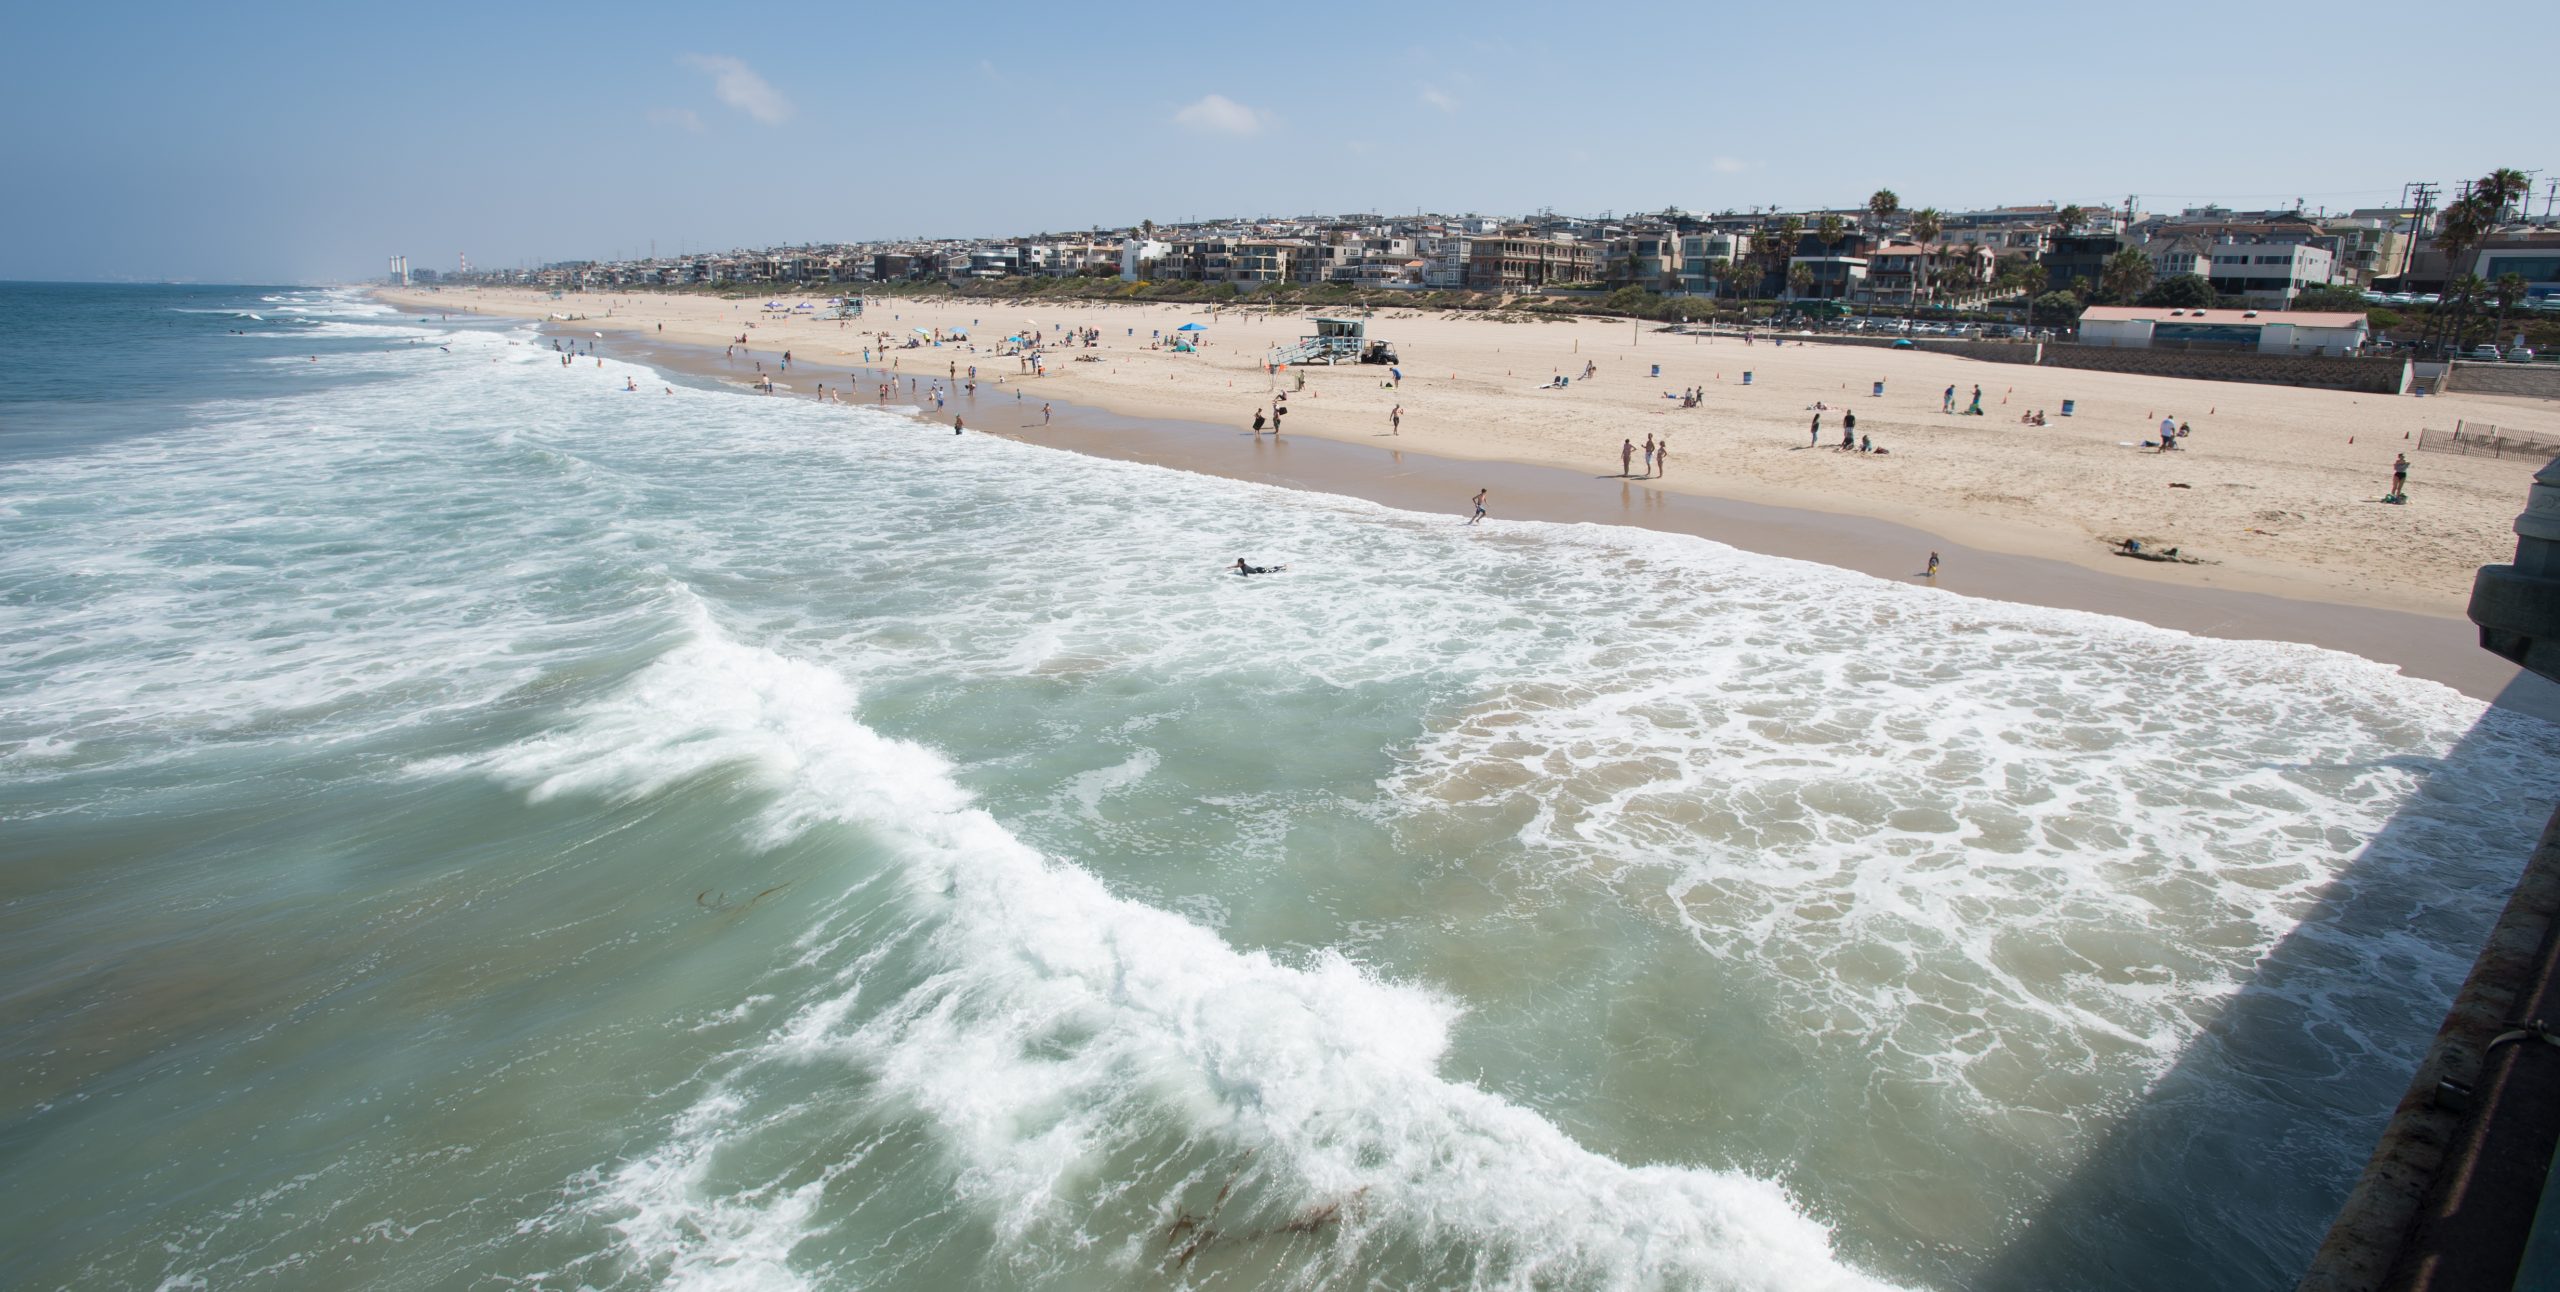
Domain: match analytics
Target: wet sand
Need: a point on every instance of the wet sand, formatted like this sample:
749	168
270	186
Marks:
2440	648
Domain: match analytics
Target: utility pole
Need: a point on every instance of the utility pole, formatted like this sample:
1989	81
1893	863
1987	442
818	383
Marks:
2419	199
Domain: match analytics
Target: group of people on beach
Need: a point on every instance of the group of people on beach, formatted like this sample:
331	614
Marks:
1657	458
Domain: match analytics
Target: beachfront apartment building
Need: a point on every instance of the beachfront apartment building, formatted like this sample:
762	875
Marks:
1518	259
1444	260
2368	248
2073	257
2265	271
1140	257
1707	257
1833	276
2007	230
1255	261
1900	273
1647	257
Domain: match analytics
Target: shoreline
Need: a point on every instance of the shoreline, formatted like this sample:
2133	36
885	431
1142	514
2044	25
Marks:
2279	491
2437	647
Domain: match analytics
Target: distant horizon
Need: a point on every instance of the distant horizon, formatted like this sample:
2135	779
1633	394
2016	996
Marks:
257	146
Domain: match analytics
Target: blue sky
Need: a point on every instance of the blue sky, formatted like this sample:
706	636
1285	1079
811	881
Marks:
276	142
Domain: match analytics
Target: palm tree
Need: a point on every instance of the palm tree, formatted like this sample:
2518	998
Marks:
2500	189
2467	222
2127	275
2510	291
2459	293
1829	230
1774	248
1800	280
2027	279
2070	218
1882	204
1926	224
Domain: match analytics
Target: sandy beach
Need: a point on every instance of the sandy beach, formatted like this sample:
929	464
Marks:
2282	507
2282	485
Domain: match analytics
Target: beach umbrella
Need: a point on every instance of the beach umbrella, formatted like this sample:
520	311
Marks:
924	332
1191	327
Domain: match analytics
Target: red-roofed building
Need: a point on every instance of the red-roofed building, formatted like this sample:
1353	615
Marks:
2141	327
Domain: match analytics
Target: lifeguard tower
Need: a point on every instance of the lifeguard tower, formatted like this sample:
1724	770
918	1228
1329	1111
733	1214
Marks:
1335	341
849	308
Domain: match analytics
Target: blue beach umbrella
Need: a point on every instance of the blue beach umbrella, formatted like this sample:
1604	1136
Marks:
1191	327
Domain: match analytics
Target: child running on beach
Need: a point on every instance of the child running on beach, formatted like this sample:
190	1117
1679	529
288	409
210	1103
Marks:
1480	493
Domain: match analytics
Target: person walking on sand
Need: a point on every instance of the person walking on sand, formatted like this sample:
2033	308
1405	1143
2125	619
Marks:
1480	493
2400	475
1816	441
1933	557
1648	457
1849	423
1257	421
1662	456
1627	459
1395	420
1947	401
1044	414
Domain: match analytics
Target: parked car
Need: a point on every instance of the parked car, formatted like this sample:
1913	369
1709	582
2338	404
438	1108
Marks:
2485	352
2520	354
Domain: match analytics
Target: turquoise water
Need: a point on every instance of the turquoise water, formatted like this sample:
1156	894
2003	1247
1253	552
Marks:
468	824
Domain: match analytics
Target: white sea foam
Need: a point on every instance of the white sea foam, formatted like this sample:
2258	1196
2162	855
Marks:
1325	1073
2011	859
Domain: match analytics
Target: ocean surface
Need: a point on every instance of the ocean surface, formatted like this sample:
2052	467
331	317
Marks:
463	824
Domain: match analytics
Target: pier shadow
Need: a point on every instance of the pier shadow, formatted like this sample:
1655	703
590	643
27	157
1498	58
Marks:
2228	1171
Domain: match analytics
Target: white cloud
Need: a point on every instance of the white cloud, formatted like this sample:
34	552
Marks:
738	86
684	119
1216	114
1727	165
1439	98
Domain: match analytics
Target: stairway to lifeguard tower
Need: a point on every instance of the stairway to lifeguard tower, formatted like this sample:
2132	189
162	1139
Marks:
1319	349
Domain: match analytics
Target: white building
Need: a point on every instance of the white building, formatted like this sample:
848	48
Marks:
1139	255
2140	327
2271	273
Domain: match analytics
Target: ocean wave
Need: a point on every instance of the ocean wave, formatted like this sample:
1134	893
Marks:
1055	1021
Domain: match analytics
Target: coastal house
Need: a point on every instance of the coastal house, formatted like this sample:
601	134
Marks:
1255	261
1837	270
1707	256
2175	255
2073	257
1899	273
2295	332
